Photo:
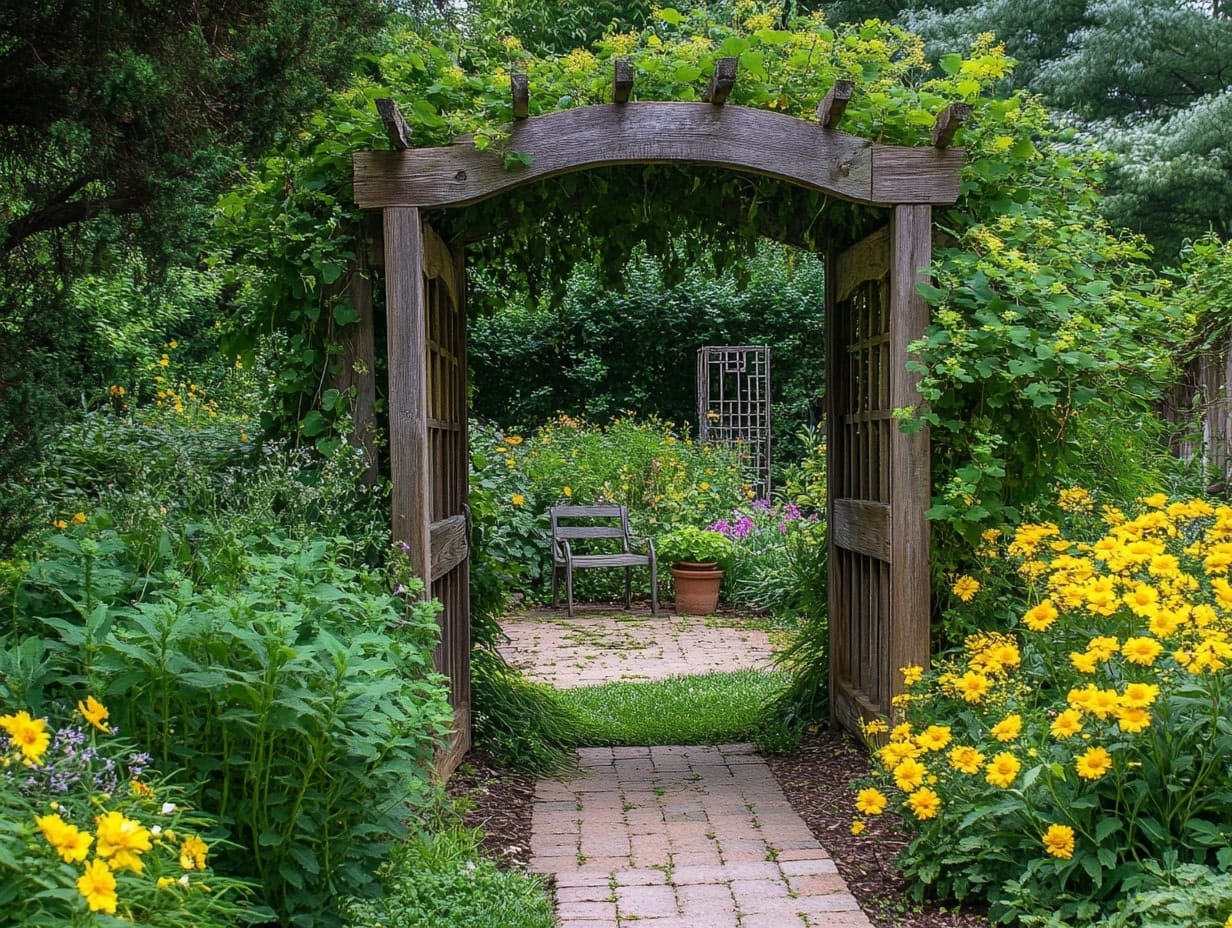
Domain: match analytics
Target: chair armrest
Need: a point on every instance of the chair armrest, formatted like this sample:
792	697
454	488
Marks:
643	540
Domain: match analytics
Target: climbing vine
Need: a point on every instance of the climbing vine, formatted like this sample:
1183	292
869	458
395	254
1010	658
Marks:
1043	315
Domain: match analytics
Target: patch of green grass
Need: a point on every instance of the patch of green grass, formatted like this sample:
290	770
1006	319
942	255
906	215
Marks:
441	879
713	708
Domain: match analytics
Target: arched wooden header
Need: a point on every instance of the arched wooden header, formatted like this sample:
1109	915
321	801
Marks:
735	137
879	593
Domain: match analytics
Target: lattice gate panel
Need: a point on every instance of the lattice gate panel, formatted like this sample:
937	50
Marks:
733	405
861	436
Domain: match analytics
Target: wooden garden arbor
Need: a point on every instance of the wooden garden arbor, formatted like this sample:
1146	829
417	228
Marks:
879	477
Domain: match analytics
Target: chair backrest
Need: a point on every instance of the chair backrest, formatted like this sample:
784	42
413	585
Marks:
562	515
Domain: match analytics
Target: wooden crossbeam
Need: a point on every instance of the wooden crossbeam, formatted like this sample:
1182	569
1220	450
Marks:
623	85
519	86
948	121
722	81
830	109
396	126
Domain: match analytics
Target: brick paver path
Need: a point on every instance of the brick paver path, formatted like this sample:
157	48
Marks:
669	837
598	646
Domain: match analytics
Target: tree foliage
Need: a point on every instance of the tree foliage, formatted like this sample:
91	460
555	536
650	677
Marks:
1146	79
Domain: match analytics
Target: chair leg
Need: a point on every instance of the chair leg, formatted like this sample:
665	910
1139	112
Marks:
654	589
628	588
569	589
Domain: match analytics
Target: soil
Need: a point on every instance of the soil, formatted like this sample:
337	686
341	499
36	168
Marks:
816	779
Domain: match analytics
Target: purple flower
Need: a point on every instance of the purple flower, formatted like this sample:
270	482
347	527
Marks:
721	525
792	511
763	504
744	527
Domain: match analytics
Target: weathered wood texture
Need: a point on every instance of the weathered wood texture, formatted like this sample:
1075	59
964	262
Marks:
832	106
878	476
588	523
407	339
722	81
428	454
519	87
1201	404
948	121
735	137
910	471
622	84
396	127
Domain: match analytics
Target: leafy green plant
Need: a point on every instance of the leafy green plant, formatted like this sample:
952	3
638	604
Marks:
440	877
87	827
698	545
1068	755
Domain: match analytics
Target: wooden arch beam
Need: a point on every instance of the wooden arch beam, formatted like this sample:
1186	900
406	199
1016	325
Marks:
734	137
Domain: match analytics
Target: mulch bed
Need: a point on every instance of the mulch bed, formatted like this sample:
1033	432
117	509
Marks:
816	780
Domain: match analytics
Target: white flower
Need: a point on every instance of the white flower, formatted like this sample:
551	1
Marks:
169	808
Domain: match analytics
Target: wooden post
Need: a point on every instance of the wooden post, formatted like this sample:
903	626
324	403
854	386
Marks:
622	86
948	121
407	341
396	126
722	81
910	471
519	87
830	110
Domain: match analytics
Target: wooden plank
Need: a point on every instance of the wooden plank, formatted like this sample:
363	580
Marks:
396	126
948	121
408	389
863	526
910	476
736	137
835	407
867	259
439	263
519	88
915	175
622	84
722	81
449	544
448	759
832	106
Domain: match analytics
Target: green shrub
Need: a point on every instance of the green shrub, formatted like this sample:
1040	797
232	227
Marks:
279	686
689	543
1046	767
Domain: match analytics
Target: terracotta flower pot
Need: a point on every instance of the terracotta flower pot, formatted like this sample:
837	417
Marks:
697	587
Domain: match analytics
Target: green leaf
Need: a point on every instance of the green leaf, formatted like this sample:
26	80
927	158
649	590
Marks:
687	73
313	424
951	64
669	15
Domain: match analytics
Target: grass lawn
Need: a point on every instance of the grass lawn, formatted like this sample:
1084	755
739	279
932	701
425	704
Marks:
713	708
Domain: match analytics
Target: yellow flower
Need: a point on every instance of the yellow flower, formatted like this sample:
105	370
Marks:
79	518
896	752
934	737
1103	647
1093	763
517	499
1059	841
1155	500
1067	724
966	759
973	686
192	853
875	727
909	774
514	440
70	842
1139	695
1083	662
98	885
911	674
60	524
1142	651
1103	703
1008	728
924	803
965	588
871	801
857	827
1041	616
1002	770
27	734
95	713
121	840
568	491
1133	719
141	789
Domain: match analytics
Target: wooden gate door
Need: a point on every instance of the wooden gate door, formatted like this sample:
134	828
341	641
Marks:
428	439
878	476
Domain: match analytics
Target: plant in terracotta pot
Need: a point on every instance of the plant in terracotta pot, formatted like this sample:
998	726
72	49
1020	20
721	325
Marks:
697	556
